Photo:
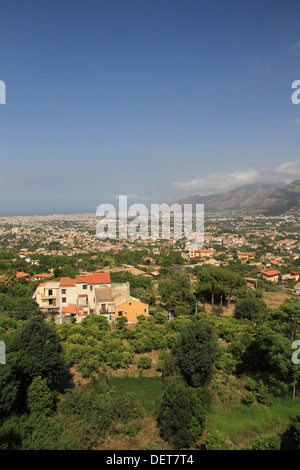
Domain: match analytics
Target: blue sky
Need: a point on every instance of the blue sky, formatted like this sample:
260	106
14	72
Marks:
153	99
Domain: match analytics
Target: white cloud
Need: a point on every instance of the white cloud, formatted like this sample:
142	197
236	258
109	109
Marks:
291	169
217	183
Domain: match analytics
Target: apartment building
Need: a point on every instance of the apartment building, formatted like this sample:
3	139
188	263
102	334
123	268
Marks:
269	274
190	253
246	256
86	295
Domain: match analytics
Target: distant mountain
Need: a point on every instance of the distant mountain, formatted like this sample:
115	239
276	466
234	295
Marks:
257	198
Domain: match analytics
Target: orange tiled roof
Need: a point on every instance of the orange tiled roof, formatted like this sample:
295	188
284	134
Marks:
71	308
43	275
67	282
270	272
96	278
21	274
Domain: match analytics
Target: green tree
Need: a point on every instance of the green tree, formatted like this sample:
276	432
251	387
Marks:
182	415
196	353
38	351
270	353
252	309
9	390
290	311
39	397
293	432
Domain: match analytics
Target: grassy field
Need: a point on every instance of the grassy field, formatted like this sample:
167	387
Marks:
240	424
147	390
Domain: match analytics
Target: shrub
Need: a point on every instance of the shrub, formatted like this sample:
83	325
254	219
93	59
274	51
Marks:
181	415
214	441
159	318
144	362
263	394
293	432
269	441
249	398
39	397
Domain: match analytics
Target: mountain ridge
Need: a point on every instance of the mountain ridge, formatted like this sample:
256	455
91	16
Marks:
259	198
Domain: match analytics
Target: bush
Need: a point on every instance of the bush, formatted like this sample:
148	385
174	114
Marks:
88	366
263	394
121	322
126	409
159	318
144	362
293	432
182	415
269	441
250	309
214	441
39	397
249	398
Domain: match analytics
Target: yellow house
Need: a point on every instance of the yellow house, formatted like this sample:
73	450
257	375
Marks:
130	308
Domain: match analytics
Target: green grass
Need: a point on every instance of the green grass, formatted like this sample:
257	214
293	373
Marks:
246	422
240	423
147	390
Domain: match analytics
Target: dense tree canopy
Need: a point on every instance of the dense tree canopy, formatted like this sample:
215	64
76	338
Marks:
196	353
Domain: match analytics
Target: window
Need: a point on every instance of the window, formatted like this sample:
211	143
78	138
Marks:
50	301
120	313
91	287
129	304
64	291
145	310
64	299
50	292
84	286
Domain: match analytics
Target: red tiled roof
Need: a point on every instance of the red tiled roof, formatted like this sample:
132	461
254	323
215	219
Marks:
21	274
96	278
269	272
67	282
43	275
246	254
71	308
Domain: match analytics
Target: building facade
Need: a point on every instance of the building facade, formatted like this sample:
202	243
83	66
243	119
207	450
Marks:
87	295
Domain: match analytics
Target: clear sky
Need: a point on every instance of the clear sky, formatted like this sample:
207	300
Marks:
152	99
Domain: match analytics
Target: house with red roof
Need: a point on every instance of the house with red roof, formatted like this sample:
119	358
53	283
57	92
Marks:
40	277
88	294
269	274
22	275
297	289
